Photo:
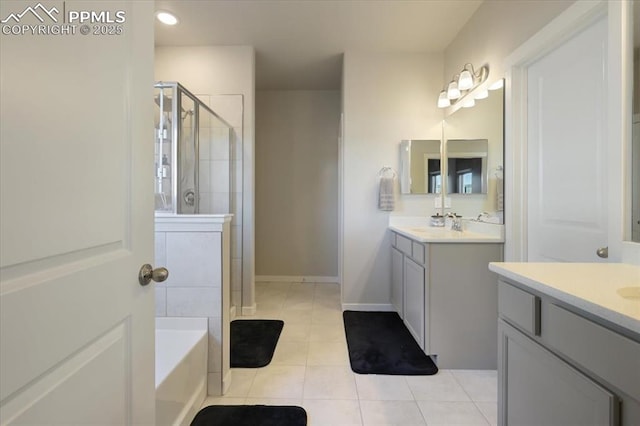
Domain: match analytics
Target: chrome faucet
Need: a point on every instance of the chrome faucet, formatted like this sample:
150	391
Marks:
456	222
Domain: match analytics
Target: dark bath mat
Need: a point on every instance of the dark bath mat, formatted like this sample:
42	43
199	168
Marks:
250	415
253	342
379	343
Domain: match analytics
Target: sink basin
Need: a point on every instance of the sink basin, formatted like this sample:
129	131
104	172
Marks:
630	292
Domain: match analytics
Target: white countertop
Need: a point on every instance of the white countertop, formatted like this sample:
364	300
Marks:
592	287
418	229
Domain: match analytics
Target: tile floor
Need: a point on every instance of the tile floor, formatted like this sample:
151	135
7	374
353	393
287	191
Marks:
310	368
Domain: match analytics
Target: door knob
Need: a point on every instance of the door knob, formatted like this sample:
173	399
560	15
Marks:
147	274
603	252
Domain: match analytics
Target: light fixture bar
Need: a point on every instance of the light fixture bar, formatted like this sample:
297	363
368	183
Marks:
462	84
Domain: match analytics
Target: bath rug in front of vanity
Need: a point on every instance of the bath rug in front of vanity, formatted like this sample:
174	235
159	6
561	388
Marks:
379	343
253	342
250	415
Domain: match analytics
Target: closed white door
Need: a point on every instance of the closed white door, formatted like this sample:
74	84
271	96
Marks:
568	193
76	219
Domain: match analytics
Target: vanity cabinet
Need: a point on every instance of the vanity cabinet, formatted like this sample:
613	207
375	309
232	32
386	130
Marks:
415	305
408	289
397	279
559	367
447	299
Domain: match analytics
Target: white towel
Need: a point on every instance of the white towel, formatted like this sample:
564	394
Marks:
386	196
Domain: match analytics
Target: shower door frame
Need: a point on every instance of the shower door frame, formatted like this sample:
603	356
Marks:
176	106
180	90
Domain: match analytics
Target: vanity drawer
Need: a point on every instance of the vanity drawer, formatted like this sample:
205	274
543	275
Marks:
607	354
519	307
403	244
418	252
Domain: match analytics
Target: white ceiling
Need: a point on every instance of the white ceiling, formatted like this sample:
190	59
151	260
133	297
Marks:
299	43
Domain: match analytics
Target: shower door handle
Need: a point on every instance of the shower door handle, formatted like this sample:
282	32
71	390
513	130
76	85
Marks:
148	274
190	198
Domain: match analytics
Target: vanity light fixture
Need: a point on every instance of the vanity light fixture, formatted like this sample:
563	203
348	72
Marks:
462	84
166	18
453	92
443	100
465	82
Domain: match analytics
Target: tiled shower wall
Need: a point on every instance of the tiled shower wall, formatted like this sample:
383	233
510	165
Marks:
221	168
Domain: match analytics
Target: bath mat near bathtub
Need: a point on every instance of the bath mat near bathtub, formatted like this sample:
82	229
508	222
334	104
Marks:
253	342
250	415
379	343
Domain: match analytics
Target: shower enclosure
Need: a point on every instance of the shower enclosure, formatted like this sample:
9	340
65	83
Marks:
187	132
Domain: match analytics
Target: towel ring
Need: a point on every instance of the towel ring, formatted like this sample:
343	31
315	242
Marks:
383	171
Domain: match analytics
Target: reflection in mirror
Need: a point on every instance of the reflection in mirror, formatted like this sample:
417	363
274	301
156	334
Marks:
467	166
635	148
420	167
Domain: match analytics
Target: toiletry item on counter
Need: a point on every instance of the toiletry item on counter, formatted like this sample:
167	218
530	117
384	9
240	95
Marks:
437	220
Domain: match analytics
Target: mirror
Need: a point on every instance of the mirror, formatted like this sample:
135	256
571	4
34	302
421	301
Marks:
467	166
420	167
474	147
474	153
635	148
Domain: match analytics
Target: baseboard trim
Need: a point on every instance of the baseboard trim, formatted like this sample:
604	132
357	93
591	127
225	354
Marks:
295	279
249	310
369	307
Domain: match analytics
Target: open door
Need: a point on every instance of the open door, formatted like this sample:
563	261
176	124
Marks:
76	218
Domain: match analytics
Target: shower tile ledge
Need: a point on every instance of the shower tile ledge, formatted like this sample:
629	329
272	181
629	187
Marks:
190	222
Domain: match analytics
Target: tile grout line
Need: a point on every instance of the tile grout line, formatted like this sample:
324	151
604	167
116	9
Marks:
470	398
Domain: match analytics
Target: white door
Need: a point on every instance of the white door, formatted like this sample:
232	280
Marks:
567	150
76	215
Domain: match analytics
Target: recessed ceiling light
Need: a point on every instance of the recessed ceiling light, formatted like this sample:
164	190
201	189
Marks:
166	18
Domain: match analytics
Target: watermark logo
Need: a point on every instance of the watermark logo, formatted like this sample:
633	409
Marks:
39	20
16	17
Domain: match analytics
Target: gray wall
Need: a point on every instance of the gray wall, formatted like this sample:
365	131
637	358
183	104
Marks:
297	183
497	29
387	97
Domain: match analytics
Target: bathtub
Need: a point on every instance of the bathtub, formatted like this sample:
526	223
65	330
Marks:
181	369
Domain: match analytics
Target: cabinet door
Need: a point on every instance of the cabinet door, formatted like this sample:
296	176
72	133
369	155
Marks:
414	287
396	281
538	388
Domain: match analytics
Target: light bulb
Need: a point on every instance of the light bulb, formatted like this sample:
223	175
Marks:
443	100
468	103
465	82
452	90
